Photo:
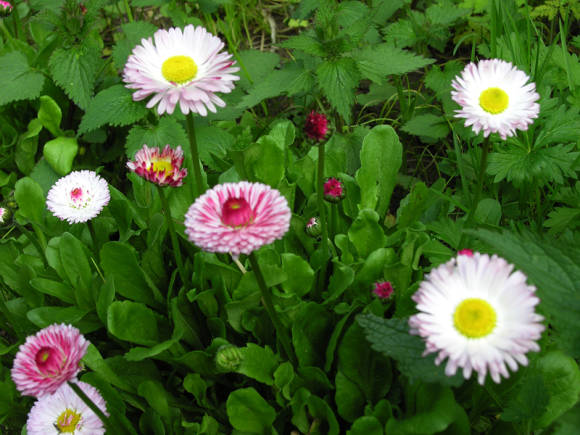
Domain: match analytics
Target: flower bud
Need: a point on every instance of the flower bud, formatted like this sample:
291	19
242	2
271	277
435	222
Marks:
228	357
333	190
313	228
5	8
383	289
316	126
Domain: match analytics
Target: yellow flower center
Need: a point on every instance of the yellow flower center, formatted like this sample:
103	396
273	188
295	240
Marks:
162	165
67	421
179	69
494	100
474	318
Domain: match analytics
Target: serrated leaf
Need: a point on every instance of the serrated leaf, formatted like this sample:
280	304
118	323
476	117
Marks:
561	126
562	218
391	337
338	80
168	131
258	65
306	43
429	125
75	70
379	61
274	84
20	81
133	32
113	106
445	13
553	267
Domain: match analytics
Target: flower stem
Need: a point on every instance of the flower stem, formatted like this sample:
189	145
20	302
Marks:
128	10
198	188
172	235
99	413
322	215
269	306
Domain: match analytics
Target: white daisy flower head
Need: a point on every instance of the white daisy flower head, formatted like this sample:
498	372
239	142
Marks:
479	313
495	97
181	66
65	412
78	197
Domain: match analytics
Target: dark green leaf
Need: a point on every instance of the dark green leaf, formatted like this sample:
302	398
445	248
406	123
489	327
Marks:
133	322
21	82
249	412
366	234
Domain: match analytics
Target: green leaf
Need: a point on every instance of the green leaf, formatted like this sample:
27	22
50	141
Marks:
75	70
119	261
133	32
310	333
429	125
562	218
338	80
45	316
376	62
342	277
366	234
414	205
60	153
249	412
445	13
553	267
50	115
259	363
306	43
381	157
258	65
156	396
113	106
391	337
76	266
488	211
366	425
302	275
55	289
264	160
133	322
27	146
562	379
274	84
529	401
21	82
30	199
168	131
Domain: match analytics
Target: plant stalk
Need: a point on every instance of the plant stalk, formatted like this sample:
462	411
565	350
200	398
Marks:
322	215
198	188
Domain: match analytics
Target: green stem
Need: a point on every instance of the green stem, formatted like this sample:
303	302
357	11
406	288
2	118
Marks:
322	215
198	188
16	21
35	243
128	10
5	31
269	306
172	236
99	413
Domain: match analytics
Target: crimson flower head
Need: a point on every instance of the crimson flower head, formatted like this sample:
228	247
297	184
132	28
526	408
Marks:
467	252
316	126
333	190
163	169
5	8
48	359
383	289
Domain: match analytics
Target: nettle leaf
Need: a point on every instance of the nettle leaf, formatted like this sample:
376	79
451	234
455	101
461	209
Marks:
391	337
274	84
338	80
306	43
428	125
168	131
561	126
563	218
75	71
379	61
258	64
445	13
553	267
113	106
519	165
21	82
133	32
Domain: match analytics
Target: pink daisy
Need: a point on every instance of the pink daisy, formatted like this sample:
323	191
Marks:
237	218
181	66
65	412
48	359
316	126
163	169
495	97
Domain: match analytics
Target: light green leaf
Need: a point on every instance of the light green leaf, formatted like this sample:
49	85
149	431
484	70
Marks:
301	273
429	125
133	322
60	153
167	132
133	32
50	115
366	234
21	82
249	412
259	363
30	199
264	159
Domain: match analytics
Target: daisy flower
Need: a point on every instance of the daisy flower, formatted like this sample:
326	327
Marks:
48	359
64	412
479	313
163	169
495	97
181	66
316	126
78	197
3	215
237	218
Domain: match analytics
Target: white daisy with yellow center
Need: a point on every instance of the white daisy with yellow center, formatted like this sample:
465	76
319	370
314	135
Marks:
181	66
495	97
479	313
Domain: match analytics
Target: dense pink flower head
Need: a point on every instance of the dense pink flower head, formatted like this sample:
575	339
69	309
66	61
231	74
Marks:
333	190
181	66
5	8
477	312
3	215
162	168
237	218
65	412
495	97
316	126
383	289
48	359
467	252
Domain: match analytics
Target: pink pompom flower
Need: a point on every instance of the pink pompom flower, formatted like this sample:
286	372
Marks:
383	289
334	190
479	314
495	97
162	168
181	66
5	8
237	218
316	126
64	412
48	359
